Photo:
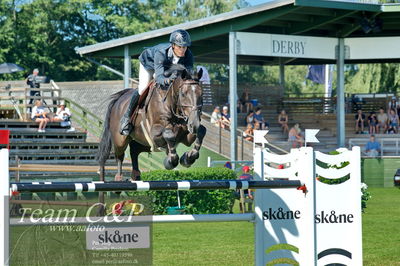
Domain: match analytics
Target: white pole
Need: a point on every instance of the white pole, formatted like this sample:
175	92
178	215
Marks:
327	88
209	161
4	203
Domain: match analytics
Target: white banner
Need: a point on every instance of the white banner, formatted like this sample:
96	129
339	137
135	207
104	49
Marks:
262	44
373	47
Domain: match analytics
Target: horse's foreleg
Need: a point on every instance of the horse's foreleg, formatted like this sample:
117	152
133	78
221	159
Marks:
172	159
188	158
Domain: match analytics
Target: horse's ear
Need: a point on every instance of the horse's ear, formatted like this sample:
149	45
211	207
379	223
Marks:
185	74
200	73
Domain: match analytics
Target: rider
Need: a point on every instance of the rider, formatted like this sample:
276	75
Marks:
154	62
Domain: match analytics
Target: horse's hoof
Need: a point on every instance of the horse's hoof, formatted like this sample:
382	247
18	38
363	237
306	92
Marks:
167	164
184	160
174	158
194	155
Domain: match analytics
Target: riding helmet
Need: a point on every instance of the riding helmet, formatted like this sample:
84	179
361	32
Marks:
181	38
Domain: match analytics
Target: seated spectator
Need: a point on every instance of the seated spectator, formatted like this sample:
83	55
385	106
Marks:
225	118
372	148
360	119
216	117
382	120
39	115
283	120
62	114
248	134
295	137
393	122
258	117
245	101
372	123
250	118
394	104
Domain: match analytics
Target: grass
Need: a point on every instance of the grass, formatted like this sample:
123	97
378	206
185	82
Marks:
229	243
381	227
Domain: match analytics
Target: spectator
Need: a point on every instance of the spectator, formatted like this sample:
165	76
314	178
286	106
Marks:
216	117
247	193
382	120
39	115
260	119
372	148
248	134
250	118
62	114
295	137
360	119
283	120
372	123
394	104
393	121
225	118
33	84
245	101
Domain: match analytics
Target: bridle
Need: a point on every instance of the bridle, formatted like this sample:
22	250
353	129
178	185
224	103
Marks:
179	112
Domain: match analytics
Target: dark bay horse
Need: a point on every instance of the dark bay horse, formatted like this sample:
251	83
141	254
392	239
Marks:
171	117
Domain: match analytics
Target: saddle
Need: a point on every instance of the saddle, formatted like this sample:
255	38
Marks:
140	113
143	101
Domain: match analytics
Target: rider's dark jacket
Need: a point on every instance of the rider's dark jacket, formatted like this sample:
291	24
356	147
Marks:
159	59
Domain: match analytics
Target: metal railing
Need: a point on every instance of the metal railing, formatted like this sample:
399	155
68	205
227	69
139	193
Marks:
243	144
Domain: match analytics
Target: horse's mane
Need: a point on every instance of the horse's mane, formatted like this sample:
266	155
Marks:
181	71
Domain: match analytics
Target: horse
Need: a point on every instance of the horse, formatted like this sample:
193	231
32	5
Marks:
171	116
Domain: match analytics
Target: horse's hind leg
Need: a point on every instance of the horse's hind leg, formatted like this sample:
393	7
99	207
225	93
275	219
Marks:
188	158
119	156
135	150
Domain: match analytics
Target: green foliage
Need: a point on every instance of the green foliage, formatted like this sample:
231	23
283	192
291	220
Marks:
195	202
43	33
373	78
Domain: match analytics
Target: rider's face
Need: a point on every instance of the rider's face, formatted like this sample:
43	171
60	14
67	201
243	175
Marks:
179	50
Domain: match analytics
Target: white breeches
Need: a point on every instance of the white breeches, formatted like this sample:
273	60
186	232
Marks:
145	77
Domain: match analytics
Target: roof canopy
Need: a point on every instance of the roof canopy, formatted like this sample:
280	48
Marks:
210	41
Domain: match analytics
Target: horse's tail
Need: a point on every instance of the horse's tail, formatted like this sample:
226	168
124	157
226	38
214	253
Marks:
104	149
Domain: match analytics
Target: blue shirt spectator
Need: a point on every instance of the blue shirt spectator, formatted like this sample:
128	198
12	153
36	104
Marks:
372	148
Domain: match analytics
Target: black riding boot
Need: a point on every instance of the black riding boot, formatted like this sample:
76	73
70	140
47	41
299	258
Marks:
125	125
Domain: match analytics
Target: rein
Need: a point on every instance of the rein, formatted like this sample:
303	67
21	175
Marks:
179	113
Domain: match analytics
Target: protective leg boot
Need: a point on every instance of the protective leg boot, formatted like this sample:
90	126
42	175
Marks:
125	125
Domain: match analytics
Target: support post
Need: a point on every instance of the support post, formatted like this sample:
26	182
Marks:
4	203
282	76
340	108
127	66
232	94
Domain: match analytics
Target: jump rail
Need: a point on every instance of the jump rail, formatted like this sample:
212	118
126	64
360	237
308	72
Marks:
95	186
